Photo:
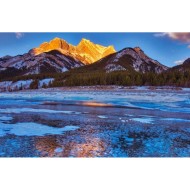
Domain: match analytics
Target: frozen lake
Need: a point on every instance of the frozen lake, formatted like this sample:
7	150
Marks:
95	123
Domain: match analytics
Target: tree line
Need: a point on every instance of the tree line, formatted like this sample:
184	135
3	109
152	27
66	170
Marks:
125	78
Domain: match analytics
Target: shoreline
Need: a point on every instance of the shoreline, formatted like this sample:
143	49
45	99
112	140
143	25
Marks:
106	88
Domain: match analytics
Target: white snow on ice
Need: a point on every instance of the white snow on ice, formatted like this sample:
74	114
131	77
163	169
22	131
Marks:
32	129
176	119
143	120
102	116
5	118
24	110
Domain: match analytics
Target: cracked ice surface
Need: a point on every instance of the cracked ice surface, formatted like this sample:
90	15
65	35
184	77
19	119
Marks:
95	123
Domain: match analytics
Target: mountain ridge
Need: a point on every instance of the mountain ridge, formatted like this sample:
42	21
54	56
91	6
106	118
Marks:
47	62
86	51
131	59
58	56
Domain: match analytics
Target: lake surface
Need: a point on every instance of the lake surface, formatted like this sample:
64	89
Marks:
95	123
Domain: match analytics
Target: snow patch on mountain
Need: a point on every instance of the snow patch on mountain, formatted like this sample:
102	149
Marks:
113	67
64	69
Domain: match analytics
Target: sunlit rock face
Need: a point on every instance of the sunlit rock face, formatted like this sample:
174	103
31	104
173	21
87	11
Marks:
86	51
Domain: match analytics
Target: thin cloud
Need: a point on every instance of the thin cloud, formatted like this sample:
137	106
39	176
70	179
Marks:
180	36
19	35
179	62
183	37
161	34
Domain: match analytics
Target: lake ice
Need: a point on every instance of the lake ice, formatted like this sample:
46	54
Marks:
121	123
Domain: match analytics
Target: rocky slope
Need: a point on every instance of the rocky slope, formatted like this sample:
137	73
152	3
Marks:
48	62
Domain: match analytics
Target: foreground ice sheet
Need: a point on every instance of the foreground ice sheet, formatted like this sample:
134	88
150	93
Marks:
118	123
32	129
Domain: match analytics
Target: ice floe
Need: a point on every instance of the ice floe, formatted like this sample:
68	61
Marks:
24	110
143	120
5	118
176	119
32	129
102	116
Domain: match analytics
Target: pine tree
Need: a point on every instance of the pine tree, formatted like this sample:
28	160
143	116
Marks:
34	84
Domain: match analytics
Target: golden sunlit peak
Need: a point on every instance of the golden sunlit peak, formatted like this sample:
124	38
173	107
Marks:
85	40
57	38
86	51
112	47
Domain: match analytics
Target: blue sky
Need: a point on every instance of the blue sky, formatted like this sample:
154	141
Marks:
168	48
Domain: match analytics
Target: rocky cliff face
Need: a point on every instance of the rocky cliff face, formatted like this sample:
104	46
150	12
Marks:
86	51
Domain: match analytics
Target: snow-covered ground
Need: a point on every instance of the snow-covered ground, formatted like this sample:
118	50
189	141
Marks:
95	121
45	82
22	84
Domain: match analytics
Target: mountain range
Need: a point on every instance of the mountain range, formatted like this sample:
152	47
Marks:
58	56
86	51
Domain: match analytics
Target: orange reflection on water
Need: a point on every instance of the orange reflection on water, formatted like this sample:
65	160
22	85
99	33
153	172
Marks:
92	148
95	147
95	104
46	146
